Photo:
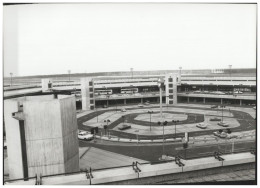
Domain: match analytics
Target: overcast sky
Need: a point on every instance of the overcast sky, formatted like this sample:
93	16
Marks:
54	38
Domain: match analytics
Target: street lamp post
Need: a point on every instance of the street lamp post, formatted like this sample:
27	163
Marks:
230	67
107	98
106	126
163	123
11	74
175	122
150	112
222	106
160	85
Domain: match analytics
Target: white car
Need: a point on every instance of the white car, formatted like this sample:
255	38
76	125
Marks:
220	134
140	105
254	107
202	125
123	110
223	124
219	93
238	92
84	135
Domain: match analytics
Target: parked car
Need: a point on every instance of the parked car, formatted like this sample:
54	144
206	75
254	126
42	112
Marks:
140	105
254	107
198	91
219	93
230	136
84	135
202	125
147	103
123	110
238	92
104	106
214	106
223	124
124	126
220	134
215	119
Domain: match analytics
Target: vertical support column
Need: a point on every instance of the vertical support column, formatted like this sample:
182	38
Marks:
221	101
107	102
142	100
124	101
241	102
188	99
204	100
158	99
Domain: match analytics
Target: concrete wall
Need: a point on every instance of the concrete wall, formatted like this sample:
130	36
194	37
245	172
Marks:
13	140
46	84
70	133
51	143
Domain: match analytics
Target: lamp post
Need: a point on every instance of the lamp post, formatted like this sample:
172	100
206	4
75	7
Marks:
107	98
175	122
97	114
163	123
132	72
222	106
106	126
150	112
160	85
11	74
180	69
230	67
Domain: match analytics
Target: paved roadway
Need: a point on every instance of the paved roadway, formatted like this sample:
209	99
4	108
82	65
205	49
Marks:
152	152
246	121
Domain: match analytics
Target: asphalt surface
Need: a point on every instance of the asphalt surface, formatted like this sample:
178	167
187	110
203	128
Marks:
246	122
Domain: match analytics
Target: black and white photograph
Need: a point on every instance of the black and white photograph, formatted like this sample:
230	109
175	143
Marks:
129	93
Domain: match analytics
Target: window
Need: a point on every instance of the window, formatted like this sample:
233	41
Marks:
91	101
170	85
170	96
90	89
169	79
91	95
90	83
170	102
170	90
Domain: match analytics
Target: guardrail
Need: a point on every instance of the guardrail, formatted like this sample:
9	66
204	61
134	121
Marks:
138	170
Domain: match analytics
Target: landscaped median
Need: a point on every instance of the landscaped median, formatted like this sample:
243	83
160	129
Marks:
127	140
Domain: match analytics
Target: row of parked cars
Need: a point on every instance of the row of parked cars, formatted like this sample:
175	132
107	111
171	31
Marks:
204	125
225	134
219	92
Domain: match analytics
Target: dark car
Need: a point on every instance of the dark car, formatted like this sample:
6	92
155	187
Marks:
123	127
215	119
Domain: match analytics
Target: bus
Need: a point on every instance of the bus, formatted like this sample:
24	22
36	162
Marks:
103	92
129	90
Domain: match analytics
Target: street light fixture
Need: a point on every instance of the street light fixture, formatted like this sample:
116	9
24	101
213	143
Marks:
222	106
106	126
175	122
164	124
150	112
230	67
160	85
69	71
11	74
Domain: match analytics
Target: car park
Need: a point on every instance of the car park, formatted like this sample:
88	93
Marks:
223	124
215	119
202	125
84	135
124	127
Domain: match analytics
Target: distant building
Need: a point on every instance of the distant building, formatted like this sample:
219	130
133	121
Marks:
87	93
41	133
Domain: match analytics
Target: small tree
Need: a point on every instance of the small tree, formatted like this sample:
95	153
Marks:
228	131
220	130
